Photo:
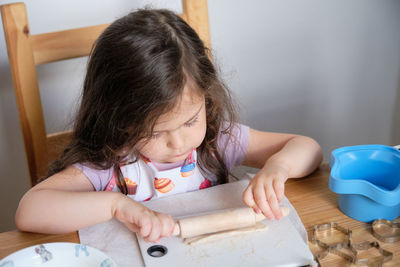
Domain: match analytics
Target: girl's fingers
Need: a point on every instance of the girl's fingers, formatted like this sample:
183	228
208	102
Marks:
257	210
156	229
273	202
248	197
172	227
265	192
167	224
279	188
145	227
261	201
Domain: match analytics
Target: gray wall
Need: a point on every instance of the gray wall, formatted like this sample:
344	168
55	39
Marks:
328	69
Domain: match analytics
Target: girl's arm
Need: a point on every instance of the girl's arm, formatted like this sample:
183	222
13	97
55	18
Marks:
279	157
67	202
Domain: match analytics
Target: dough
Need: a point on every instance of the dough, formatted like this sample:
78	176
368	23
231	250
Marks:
258	227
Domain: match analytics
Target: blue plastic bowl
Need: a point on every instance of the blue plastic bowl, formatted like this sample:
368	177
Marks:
367	181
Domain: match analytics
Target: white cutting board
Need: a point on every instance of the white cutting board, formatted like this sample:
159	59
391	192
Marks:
280	245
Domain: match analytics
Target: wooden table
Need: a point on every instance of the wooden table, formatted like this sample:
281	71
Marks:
311	197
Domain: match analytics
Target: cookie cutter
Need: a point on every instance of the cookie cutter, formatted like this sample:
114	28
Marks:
352	257
388	237
326	227
337	250
332	248
376	261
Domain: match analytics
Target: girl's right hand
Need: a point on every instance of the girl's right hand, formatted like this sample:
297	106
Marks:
150	225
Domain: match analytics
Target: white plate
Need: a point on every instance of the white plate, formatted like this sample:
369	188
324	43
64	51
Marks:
58	254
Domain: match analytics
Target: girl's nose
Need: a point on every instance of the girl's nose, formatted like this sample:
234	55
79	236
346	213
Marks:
175	140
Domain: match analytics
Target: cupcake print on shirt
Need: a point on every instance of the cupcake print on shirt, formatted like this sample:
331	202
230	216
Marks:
132	186
188	166
144	181
163	185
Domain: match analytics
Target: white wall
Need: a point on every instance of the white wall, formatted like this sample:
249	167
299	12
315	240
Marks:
328	69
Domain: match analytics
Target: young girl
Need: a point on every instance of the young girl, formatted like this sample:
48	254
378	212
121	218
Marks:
156	120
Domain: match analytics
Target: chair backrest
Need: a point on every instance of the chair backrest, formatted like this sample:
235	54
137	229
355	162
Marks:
26	51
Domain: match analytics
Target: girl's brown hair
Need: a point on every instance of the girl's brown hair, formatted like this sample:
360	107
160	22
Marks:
137	71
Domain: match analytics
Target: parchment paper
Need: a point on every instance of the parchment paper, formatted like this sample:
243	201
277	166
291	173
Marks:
114	239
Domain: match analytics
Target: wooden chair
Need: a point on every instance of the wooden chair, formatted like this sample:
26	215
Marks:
26	51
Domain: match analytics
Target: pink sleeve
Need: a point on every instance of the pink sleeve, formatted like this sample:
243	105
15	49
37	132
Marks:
233	149
99	178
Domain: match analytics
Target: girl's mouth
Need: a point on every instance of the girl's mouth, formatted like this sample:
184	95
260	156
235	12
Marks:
180	155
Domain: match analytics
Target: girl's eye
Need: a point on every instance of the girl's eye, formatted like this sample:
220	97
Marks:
155	135
192	122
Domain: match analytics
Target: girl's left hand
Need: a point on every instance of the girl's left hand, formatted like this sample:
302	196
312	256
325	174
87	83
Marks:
266	190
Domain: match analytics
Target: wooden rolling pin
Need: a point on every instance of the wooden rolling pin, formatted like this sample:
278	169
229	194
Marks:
219	221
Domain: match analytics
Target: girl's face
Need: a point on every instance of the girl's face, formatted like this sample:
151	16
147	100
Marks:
179	131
